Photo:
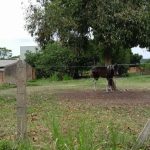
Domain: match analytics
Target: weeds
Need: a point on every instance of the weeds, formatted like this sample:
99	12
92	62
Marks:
62	124
7	145
59	77
7	86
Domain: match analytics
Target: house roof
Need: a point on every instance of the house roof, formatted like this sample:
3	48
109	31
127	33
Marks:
4	63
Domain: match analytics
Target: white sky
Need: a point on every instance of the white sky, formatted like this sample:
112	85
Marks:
12	33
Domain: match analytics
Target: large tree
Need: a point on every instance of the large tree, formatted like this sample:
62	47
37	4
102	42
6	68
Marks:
121	23
111	23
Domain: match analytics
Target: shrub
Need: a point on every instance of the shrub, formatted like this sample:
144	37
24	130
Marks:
56	77
5	145
66	77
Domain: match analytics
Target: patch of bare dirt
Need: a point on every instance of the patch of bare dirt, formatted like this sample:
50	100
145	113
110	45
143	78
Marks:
100	97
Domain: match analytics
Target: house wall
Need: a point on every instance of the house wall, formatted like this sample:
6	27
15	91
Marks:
30	72
1	77
10	74
142	71
133	70
24	49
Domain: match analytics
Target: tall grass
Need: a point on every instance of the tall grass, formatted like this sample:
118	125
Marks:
82	139
58	124
12	145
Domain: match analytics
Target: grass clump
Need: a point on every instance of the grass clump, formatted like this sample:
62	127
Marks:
59	77
7	86
8	145
66	77
5	145
82	139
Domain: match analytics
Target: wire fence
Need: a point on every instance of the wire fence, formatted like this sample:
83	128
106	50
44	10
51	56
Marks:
69	104
56	101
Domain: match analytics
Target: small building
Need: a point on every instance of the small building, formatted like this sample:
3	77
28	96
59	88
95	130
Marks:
8	71
133	69
24	49
1	76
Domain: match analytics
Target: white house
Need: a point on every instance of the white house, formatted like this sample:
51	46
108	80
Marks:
23	50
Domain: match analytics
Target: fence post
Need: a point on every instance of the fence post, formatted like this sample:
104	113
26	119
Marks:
142	136
21	101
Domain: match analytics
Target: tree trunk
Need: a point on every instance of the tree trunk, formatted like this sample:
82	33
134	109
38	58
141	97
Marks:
108	61
76	73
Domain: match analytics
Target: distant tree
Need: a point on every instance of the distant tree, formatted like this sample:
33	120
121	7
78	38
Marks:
135	58
15	57
148	61
5	53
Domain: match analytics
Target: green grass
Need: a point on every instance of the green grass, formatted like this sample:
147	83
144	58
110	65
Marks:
57	124
6	86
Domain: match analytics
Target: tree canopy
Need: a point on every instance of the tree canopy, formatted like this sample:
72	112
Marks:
109	24
58	58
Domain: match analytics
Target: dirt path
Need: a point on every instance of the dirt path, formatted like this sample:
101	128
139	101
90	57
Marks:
129	98
99	97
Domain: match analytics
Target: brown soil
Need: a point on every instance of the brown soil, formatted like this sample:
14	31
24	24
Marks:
100	97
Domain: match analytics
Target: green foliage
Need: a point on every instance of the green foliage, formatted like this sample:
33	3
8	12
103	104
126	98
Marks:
145	65
66	77
54	58
81	140
24	146
32	83
31	58
135	58
6	86
59	77
57	58
145	60
148	61
7	145
144	68
15	57
77	125
112	24
56	77
122	56
123	71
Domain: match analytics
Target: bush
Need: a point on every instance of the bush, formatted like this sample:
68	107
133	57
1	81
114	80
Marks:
145	65
56	77
66	77
59	77
123	71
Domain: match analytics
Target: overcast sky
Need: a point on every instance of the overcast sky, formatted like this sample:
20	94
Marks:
12	33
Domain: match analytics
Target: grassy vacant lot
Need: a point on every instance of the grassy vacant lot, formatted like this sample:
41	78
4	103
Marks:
58	122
